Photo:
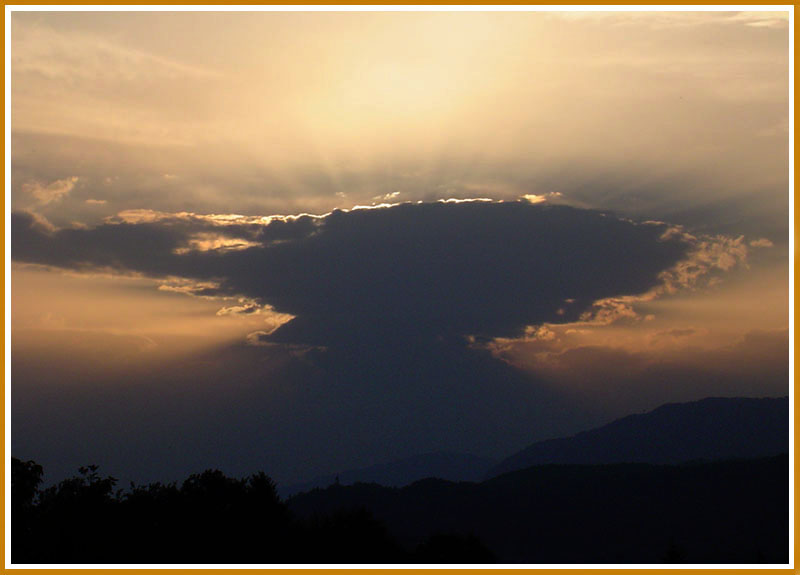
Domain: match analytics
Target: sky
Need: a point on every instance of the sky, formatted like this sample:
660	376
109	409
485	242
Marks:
314	241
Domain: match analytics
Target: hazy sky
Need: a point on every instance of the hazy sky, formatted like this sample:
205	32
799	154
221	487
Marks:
192	286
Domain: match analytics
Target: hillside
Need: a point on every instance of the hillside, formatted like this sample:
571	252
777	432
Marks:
719	512
710	429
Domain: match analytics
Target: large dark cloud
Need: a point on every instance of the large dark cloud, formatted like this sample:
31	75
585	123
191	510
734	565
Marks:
412	271
386	296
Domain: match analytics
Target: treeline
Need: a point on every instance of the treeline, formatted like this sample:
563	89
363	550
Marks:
714	512
209	518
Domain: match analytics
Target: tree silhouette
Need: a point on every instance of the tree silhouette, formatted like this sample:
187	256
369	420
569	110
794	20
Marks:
25	479
26	476
724	512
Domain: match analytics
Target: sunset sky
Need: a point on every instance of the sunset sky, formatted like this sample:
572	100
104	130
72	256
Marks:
313	241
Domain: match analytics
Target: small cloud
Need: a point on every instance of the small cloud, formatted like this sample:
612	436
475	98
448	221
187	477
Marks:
138	216
244	309
41	223
249	308
540	198
205	242
47	193
258	338
208	290
93	202
761	243
387	197
541	332
708	255
535	198
611	310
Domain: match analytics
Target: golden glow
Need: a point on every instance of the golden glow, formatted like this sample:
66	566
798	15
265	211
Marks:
139	117
694	327
49	301
322	110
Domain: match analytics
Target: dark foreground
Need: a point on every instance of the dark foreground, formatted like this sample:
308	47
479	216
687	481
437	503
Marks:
720	512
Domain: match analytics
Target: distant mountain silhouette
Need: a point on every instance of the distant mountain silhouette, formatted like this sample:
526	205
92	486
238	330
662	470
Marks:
444	465
710	429
701	482
714	512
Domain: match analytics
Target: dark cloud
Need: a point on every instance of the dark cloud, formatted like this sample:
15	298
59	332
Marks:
141	247
375	364
408	272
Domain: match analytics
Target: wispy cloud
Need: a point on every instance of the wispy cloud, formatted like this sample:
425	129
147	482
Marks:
74	55
44	194
762	19
610	319
677	19
761	243
205	241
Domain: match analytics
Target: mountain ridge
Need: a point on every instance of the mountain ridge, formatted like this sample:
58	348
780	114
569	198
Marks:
446	465
732	511
712	428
